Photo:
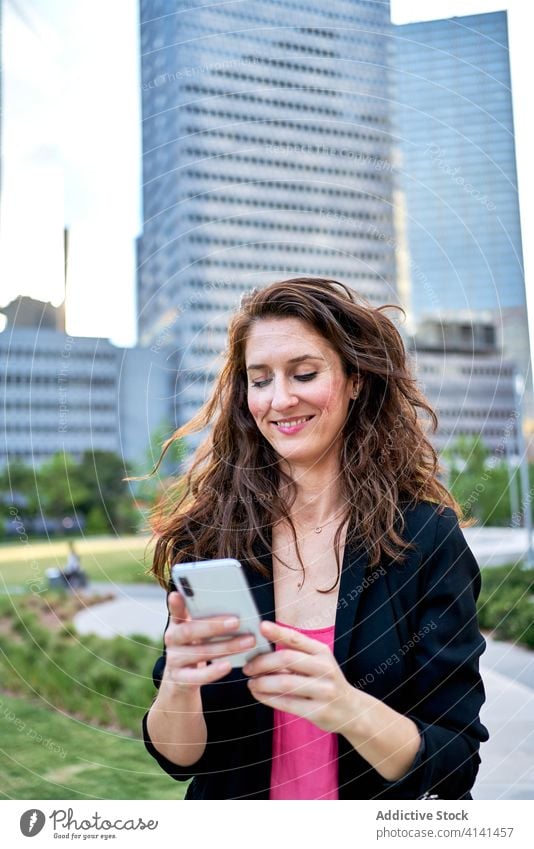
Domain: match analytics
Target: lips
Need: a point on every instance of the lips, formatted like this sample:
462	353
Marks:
292	422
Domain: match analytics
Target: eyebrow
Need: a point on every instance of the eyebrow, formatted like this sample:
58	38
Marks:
292	360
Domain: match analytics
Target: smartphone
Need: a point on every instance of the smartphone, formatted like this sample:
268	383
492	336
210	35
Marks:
216	587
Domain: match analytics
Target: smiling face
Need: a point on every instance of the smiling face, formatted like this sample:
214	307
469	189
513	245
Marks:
293	373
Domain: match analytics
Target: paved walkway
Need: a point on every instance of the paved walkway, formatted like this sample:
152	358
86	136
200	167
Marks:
497	546
507	769
138	609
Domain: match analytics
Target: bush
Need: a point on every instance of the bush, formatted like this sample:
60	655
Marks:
505	604
102	681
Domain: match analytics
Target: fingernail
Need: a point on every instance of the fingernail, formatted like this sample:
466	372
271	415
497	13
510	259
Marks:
231	623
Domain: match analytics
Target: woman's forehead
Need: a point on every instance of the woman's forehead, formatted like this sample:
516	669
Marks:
290	330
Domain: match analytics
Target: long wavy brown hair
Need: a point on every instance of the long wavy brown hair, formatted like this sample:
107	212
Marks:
231	495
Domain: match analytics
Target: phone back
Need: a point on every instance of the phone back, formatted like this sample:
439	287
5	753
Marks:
218	587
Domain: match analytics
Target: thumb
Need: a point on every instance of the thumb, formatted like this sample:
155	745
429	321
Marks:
177	609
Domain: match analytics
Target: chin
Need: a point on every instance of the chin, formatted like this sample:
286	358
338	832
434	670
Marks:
300	454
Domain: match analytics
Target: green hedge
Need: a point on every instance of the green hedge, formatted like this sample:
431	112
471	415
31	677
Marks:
506	603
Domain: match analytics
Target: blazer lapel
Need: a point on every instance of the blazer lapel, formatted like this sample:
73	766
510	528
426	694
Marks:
351	587
350	590
262	588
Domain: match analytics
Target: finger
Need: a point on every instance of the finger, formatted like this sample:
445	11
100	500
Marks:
306	708
177	609
185	655
188	676
292	639
294	661
287	685
197	630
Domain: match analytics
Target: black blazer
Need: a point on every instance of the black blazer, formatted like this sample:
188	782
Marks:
406	634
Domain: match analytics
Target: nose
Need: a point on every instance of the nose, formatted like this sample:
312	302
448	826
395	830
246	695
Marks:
282	398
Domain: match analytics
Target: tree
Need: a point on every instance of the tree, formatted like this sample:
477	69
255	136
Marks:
102	473
62	489
19	488
479	481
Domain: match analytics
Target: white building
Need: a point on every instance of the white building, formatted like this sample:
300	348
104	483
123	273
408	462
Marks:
72	394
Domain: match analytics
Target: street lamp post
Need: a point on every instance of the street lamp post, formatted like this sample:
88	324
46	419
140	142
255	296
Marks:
511	467
519	386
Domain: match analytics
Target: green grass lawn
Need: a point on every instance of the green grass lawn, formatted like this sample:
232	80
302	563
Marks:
71	707
114	560
46	755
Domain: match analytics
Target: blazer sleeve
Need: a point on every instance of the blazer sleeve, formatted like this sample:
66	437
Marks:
445	688
212	758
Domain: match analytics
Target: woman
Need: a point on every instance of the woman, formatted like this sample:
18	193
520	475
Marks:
317	475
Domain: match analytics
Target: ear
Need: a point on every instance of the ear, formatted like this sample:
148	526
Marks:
356	385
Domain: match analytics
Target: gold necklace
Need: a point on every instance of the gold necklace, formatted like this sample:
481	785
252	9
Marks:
319	528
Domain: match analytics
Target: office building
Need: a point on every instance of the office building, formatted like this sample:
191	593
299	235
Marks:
23	311
266	155
461	369
71	394
457	176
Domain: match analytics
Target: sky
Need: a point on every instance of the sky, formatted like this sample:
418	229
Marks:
71	150
72	153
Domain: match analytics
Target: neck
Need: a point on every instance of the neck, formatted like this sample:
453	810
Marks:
318	498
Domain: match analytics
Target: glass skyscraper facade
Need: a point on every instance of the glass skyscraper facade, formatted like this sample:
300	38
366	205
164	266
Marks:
266	155
457	174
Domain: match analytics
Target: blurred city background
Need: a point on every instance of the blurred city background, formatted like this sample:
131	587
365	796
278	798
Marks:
158	160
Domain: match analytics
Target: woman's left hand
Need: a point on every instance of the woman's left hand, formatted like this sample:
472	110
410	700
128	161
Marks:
304	678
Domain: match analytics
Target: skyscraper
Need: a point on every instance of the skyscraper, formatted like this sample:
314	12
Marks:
266	155
457	174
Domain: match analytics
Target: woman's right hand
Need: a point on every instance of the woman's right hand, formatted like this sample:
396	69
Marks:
188	647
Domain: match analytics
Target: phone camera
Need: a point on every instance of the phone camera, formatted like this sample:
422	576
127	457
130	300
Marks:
187	587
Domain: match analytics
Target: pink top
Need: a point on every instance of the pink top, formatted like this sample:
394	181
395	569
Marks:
304	764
